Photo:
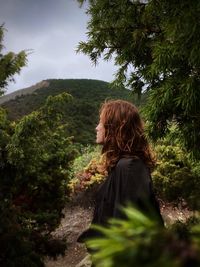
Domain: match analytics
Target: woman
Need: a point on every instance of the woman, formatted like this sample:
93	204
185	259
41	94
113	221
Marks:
128	162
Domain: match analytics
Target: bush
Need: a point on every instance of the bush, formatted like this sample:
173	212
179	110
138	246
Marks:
87	171
35	156
140	241
176	176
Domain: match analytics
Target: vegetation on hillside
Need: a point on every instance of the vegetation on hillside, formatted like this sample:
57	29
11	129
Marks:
81	114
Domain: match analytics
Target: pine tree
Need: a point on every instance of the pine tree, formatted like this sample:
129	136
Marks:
155	43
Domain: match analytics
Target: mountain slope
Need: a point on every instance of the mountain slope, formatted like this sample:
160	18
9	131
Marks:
81	113
24	91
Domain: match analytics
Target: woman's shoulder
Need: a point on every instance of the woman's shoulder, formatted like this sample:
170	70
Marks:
129	168
126	162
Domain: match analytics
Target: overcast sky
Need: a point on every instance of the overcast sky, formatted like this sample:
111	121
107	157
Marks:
52	29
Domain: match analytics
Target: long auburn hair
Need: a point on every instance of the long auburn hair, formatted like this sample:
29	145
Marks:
124	134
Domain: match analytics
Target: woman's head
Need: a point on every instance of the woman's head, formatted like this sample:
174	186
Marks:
121	132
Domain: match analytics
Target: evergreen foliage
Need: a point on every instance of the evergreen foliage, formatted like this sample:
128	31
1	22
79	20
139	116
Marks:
10	63
35	156
176	176
156	44
140	241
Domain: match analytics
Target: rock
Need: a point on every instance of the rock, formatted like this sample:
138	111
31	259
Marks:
86	262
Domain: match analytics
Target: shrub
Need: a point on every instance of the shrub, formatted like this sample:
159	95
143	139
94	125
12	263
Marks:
176	176
35	157
87	171
140	241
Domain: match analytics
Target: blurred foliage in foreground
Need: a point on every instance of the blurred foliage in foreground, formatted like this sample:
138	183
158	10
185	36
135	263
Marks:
139	241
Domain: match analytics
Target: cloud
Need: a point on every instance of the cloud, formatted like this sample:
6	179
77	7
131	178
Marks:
52	29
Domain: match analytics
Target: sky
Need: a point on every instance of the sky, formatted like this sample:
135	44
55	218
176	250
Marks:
50	30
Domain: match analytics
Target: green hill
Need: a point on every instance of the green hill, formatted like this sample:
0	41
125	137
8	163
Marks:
81	113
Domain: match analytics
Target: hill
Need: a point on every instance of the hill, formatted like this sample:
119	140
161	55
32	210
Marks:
24	91
81	113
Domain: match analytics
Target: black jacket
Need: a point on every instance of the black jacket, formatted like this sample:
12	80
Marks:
128	182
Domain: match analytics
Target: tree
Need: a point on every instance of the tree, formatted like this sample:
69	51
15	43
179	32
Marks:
35	156
10	63
155	43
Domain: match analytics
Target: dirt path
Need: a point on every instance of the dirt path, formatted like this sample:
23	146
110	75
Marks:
78	218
